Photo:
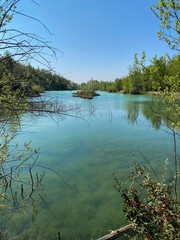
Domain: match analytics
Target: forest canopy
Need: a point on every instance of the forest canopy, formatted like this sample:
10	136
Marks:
37	80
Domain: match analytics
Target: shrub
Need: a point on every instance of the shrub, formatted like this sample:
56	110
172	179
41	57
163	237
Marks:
152	206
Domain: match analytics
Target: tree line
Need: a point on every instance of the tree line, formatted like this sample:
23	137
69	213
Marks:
37	80
143	78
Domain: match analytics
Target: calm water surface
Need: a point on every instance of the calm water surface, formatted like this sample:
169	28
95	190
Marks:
85	150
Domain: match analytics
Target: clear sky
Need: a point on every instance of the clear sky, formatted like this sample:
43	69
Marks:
98	38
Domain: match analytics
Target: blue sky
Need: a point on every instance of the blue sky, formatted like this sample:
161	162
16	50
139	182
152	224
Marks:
98	38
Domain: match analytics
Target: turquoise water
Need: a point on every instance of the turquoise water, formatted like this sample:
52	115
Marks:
85	148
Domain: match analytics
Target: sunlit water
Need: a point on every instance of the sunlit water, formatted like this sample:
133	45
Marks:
85	148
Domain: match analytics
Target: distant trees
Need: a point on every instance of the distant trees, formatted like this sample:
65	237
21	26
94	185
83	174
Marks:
141	78
38	79
47	80
118	84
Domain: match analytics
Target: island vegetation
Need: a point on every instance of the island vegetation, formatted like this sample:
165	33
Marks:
86	93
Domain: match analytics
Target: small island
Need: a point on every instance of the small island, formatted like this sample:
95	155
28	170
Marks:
87	94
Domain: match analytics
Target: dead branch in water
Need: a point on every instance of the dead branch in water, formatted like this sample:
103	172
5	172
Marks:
117	233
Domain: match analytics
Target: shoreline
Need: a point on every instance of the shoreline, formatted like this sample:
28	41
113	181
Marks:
152	93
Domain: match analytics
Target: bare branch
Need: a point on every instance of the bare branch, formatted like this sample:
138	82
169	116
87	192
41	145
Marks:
117	233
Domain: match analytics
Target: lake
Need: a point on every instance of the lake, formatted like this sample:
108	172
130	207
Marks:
97	138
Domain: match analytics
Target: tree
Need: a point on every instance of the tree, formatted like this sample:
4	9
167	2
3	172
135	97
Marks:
118	84
167	11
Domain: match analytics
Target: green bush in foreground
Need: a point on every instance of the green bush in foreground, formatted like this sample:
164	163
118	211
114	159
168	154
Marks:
152	206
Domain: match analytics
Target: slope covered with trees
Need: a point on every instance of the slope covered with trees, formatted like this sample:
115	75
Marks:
37	80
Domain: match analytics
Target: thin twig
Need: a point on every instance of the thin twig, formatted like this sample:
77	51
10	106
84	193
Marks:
149	165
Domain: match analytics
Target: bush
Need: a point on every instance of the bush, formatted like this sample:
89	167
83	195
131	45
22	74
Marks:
151	205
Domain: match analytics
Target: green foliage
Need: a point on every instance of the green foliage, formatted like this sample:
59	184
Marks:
118	84
86	93
103	86
151	205
5	15
12	95
14	196
36	79
163	74
167	11
16	189
37	89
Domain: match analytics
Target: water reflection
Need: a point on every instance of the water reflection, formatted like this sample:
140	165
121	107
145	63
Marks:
147	109
130	107
85	154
